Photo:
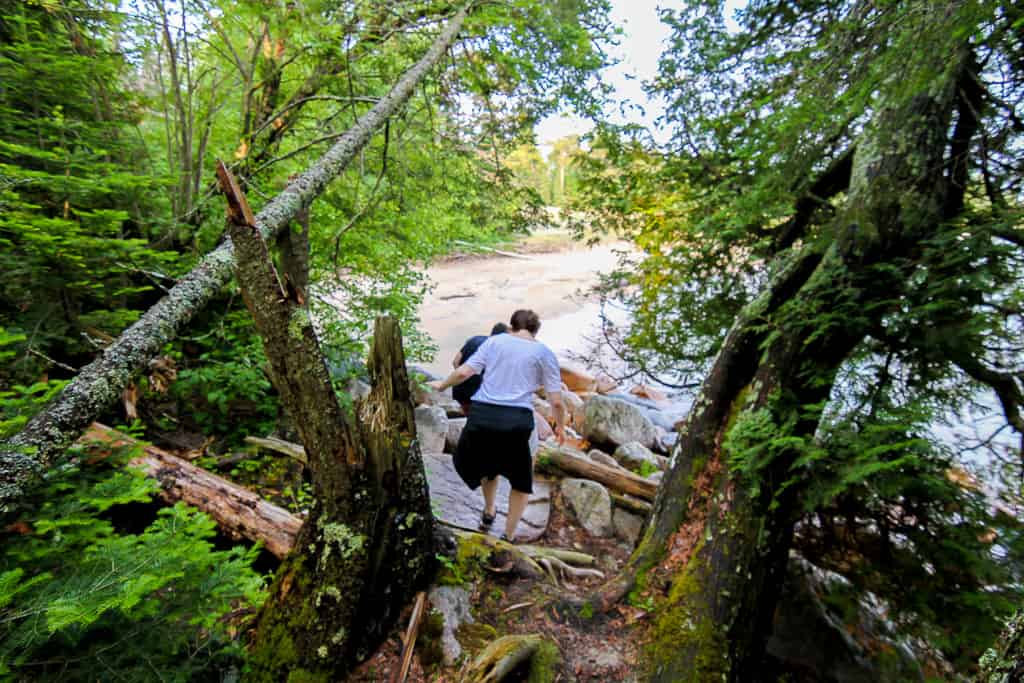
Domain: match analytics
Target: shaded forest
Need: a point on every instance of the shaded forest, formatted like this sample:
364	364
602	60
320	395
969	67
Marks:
216	221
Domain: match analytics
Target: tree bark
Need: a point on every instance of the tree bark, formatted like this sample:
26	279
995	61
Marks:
238	511
1005	661
30	453
722	523
367	545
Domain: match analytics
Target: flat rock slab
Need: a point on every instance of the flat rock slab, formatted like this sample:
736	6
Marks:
454	503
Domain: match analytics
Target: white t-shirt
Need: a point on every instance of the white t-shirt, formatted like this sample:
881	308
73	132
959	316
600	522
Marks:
516	368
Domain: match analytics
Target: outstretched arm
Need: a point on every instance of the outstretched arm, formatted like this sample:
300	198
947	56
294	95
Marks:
458	376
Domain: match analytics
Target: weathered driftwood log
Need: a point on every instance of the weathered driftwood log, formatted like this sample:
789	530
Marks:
237	510
28	454
562	461
508	653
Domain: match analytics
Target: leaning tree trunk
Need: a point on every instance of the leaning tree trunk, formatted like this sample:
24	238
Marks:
30	453
721	526
1004	662
366	545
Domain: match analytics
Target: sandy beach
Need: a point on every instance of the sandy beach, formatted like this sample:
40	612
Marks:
473	293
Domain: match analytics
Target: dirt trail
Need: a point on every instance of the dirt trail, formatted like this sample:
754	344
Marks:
473	293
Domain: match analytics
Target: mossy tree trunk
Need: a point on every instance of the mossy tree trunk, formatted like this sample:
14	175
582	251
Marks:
716	546
366	546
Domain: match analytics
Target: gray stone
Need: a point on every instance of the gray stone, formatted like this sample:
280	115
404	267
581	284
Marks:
615	422
591	505
665	441
455	427
603	458
633	455
431	428
453	604
627	525
357	389
847	646
453	503
656	476
575	411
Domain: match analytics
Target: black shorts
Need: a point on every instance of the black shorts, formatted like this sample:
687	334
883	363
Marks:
496	441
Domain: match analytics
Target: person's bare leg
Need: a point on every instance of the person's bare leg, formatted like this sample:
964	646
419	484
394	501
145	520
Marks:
490	489
516	505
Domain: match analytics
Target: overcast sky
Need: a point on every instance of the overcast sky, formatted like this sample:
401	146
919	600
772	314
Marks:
637	53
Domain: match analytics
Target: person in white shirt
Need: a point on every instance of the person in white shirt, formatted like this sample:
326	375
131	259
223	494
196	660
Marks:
496	438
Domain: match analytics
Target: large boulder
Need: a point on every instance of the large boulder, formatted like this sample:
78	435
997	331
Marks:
455	427
591	504
431	428
633	456
628	525
575	378
613	422
648	392
823	633
575	410
664	441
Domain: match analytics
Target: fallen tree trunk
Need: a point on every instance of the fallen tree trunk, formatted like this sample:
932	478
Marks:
31	452
292	450
237	510
561	461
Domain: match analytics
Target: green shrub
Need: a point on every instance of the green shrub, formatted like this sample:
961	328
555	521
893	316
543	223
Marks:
80	600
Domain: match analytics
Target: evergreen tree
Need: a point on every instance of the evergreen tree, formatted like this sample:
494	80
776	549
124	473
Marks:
76	218
835	239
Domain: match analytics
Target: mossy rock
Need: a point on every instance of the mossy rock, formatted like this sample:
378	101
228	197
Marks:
533	655
475	637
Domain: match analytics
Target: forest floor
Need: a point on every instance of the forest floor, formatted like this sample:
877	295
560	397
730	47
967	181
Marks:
592	648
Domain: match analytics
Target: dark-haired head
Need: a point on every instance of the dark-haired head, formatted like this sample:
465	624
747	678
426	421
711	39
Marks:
499	328
525	319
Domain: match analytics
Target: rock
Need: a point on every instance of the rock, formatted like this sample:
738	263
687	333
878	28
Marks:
605	384
615	422
431	428
816	636
357	389
453	604
649	392
544	409
576	379
633	455
456	505
603	458
662	415
575	412
591	505
455	427
627	525
665	441
656	476
600	662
